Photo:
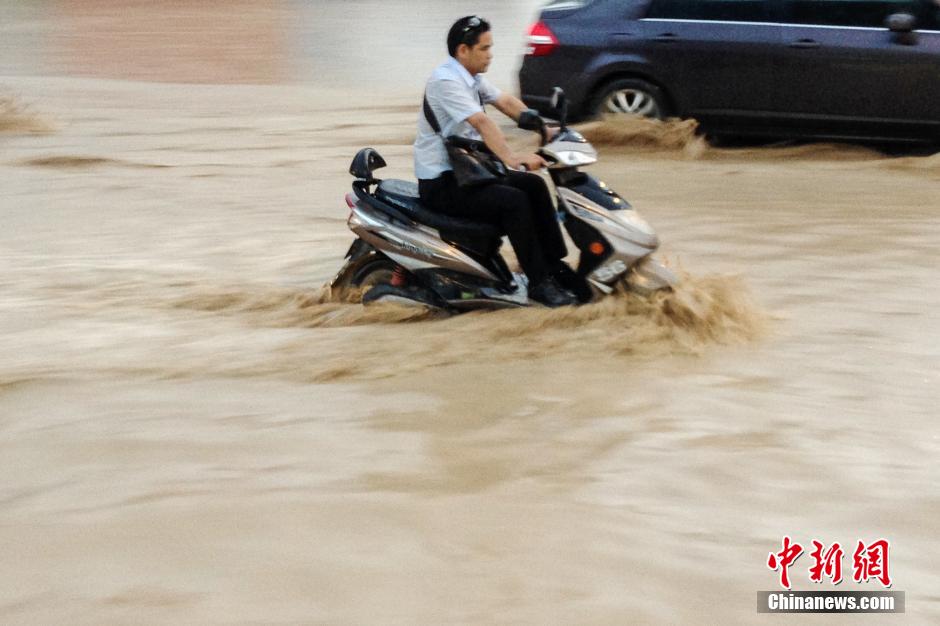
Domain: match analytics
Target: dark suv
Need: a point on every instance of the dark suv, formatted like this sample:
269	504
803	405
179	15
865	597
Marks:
823	68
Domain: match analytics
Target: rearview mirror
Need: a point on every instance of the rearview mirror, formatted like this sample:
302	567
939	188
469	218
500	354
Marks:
900	22
902	25
530	120
560	104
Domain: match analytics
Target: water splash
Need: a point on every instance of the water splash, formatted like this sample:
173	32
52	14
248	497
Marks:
78	162
674	136
639	132
701	312
17	118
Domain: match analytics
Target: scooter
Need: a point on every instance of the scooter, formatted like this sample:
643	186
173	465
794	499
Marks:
404	253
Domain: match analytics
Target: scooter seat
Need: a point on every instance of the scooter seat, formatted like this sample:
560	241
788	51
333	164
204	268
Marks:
403	195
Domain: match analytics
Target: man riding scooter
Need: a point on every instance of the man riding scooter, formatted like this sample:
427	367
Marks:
519	204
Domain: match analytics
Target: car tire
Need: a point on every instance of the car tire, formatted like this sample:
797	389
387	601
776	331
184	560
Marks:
631	96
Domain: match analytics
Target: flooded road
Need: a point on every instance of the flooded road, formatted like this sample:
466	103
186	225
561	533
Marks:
190	435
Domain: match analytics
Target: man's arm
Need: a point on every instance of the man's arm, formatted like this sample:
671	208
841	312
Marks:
510	105
513	107
495	140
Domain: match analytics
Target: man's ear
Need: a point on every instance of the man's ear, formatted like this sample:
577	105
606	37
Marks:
465	48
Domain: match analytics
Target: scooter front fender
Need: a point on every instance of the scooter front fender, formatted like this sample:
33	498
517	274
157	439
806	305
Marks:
649	275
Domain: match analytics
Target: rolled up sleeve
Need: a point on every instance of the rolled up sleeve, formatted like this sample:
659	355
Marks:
451	102
489	93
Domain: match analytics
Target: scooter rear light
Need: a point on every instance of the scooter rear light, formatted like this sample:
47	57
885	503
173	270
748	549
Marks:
596	248
542	41
350	201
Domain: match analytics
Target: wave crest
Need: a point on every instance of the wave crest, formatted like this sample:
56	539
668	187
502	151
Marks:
701	312
16	117
673	134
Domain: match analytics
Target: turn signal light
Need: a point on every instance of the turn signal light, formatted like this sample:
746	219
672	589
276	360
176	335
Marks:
542	41
350	201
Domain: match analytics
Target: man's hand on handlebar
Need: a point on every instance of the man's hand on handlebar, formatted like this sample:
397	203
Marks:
527	162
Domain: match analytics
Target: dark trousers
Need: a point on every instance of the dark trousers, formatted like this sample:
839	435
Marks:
520	206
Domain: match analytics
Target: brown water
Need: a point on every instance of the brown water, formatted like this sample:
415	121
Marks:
190	435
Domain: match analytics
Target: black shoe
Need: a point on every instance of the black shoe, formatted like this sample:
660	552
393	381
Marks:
568	279
549	293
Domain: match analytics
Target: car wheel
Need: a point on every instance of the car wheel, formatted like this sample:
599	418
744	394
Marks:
631	96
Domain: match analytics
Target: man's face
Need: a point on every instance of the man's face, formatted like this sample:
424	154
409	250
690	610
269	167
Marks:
478	58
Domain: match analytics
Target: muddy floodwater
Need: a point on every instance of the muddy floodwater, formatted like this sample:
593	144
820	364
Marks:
190	433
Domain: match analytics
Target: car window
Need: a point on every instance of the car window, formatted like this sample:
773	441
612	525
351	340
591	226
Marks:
867	13
709	10
929	19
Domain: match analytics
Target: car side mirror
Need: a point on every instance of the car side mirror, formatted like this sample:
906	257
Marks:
530	120
902	25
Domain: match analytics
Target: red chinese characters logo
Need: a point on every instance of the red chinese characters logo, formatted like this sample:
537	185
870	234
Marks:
871	561
828	563
868	561
784	559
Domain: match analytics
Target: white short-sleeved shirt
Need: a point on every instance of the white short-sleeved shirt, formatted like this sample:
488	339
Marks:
454	95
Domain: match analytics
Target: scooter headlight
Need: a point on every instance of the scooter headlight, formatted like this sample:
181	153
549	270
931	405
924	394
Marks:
632	218
574	158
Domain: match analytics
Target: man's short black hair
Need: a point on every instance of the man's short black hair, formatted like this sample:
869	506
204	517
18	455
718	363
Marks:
466	30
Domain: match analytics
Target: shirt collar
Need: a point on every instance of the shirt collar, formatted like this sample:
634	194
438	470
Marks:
455	65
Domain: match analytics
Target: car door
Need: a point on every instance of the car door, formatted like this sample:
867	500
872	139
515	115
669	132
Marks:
844	70
715	55
926	54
